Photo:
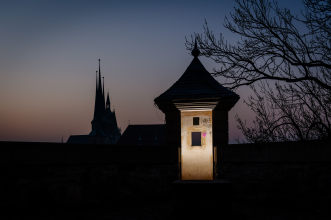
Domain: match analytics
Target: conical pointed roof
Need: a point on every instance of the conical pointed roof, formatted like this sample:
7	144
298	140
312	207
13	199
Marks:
196	84
108	102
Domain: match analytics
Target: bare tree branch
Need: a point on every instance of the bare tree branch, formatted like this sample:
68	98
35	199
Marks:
285	59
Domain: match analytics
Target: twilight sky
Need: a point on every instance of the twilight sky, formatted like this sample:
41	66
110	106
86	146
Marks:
49	51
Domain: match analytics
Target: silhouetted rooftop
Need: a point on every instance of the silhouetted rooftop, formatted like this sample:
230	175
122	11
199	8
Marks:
145	135
88	139
196	84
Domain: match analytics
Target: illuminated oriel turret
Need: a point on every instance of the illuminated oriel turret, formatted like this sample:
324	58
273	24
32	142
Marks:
196	112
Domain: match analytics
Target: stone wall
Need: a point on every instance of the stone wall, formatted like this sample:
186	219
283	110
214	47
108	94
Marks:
273	181
62	180
279	180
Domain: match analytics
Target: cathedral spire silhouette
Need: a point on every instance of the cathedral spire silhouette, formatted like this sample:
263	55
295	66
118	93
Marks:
108	102
96	101
99	75
103	92
104	123
99	106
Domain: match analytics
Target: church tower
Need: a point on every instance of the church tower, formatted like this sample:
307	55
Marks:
99	106
104	123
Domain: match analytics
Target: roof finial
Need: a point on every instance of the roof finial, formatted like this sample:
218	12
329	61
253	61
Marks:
99	64
195	52
100	83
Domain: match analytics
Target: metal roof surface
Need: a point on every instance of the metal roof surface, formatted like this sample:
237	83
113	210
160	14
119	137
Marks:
196	84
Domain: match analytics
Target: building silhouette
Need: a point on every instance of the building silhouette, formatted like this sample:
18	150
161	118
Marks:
196	110
104	123
137	178
196	89
143	135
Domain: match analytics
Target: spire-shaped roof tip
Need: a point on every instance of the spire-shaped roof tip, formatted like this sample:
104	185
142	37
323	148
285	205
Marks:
99	81
103	85
108	100
195	52
99	65
96	79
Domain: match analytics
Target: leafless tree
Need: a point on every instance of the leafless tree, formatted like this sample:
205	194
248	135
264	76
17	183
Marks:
287	112
285	58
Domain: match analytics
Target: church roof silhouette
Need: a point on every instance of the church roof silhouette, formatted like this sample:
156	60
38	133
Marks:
144	135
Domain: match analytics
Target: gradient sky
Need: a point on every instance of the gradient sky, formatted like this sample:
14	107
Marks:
49	51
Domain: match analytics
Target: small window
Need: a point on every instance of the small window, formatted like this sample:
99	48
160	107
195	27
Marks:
196	121
196	138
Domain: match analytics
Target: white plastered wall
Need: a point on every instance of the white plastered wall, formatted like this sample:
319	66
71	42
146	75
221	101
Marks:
196	161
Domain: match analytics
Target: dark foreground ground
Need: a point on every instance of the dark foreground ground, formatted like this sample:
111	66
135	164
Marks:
59	181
